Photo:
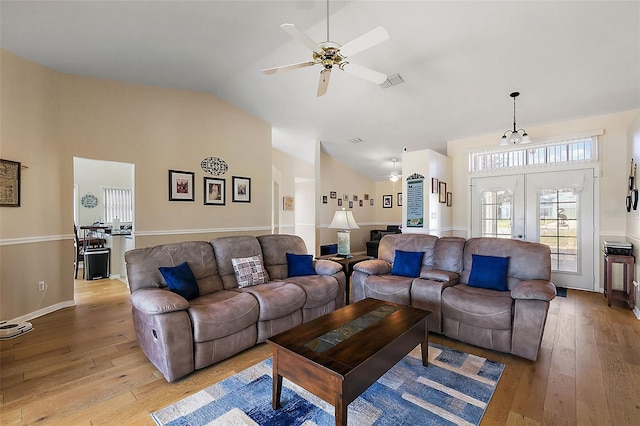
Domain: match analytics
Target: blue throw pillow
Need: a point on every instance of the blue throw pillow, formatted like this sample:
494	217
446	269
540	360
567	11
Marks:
180	279
489	272
407	263
300	265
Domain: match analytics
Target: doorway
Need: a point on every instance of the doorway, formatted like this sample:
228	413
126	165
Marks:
109	185
554	208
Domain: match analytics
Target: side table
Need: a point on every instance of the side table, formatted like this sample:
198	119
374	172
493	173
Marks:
347	267
627	294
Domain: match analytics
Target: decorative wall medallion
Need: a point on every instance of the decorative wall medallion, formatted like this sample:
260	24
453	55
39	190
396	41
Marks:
89	201
214	166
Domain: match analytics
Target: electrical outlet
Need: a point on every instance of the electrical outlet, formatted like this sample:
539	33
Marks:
42	286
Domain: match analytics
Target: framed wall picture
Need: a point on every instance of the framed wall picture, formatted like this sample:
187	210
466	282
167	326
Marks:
387	201
288	202
324	199
442	192
9	183
449	199
241	189
366	197
333	194
214	191
361	203
339	202
371	202
181	186
434	185
399	202
350	204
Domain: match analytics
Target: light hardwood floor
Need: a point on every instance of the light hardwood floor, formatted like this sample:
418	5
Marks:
82	366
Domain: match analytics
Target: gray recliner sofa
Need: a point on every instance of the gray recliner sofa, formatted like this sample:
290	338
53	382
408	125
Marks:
180	336
507	321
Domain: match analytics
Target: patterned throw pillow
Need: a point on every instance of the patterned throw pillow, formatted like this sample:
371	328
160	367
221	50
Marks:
249	271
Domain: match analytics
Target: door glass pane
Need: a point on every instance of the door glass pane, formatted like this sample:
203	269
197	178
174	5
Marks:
558	227
496	214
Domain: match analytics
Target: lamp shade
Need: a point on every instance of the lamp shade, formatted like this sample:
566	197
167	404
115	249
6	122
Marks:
343	219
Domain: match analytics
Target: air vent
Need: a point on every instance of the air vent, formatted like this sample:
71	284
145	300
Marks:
392	80
356	140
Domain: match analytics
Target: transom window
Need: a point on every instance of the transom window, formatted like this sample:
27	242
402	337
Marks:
568	151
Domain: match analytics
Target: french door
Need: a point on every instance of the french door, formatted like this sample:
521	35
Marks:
553	208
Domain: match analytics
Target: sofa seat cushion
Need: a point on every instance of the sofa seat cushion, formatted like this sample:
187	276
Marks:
392	288
221	314
481	307
276	298
319	289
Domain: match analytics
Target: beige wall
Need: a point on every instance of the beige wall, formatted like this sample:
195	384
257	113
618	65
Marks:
48	118
343	180
633	218
285	171
388	216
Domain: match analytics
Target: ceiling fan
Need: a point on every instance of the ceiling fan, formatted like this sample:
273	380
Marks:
394	176
330	54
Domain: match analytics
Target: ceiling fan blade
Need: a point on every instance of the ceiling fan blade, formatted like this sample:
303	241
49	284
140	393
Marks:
365	41
362	72
323	83
288	67
297	33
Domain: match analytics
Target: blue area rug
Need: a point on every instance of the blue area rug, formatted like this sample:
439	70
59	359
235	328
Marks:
454	389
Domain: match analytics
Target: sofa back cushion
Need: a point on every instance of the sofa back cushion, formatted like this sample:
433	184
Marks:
409	242
274	252
235	247
527	260
143	264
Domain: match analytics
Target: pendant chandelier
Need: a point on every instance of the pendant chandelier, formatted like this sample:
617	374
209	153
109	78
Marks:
514	137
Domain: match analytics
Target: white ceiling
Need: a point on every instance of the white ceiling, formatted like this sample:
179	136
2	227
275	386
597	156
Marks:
460	60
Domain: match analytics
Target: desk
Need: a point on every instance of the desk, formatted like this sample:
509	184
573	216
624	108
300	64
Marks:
347	267
627	294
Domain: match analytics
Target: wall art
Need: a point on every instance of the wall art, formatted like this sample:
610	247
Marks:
214	166
214	191
449	199
241	189
442	192
181	186
9	183
399	203
387	201
333	194
288	202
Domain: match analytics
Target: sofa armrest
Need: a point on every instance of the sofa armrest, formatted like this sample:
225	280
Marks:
373	267
153	301
534	289
439	275
327	267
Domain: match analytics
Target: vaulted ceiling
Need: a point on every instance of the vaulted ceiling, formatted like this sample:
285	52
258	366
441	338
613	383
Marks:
460	60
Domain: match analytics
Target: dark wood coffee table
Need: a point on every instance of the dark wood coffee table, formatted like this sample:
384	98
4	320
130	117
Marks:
339	355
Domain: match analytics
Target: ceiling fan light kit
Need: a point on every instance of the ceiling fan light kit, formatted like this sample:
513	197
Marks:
330	54
514	137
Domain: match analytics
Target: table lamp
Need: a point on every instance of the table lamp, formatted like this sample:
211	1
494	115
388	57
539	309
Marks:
344	221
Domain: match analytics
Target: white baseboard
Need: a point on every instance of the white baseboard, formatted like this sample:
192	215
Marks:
45	311
636	312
